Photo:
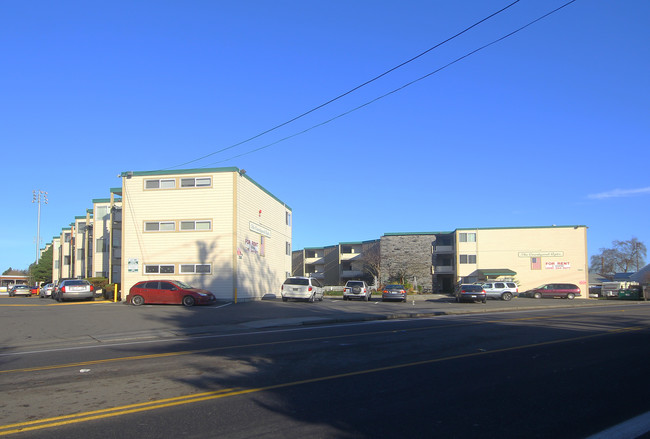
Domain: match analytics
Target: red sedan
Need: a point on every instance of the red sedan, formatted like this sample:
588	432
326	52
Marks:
168	292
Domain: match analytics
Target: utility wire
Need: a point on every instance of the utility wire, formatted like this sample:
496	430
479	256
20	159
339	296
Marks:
350	91
401	87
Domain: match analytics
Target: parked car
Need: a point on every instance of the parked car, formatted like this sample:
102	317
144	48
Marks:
501	290
357	289
561	291
471	293
168	292
20	290
71	289
46	290
394	292
302	288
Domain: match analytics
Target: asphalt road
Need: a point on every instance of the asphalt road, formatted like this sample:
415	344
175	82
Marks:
201	372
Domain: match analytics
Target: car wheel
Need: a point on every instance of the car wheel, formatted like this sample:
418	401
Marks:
188	301
366	298
137	300
284	299
570	296
312	298
506	296
537	295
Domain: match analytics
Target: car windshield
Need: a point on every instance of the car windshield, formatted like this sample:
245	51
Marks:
472	288
296	281
76	282
394	287
183	285
355	284
22	287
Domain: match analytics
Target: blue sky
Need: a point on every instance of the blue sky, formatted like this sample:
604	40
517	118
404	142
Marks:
548	126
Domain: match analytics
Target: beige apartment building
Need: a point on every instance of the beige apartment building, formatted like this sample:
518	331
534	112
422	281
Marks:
215	229
438	261
530	255
335	264
105	237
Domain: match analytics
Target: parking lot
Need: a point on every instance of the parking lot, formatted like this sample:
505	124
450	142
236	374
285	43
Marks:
31	321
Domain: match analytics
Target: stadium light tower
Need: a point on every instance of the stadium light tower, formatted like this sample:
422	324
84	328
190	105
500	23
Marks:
39	196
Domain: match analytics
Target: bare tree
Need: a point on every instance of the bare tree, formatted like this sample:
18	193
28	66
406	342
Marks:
372	261
623	257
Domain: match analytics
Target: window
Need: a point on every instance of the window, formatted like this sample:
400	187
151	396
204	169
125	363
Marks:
66	260
161	268
66	237
196	182
196	269
467	237
468	259
102	212
159	226
196	225
288	218
101	245
167	183
80	254
288	248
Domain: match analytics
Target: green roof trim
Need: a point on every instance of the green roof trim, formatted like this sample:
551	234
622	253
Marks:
178	171
496	272
522	227
202	171
101	200
116	190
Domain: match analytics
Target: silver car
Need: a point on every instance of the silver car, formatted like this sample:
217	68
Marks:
501	290
357	289
302	288
46	290
71	289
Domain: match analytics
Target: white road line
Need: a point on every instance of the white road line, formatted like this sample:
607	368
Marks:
631	429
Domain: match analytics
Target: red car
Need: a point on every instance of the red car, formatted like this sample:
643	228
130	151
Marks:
168	292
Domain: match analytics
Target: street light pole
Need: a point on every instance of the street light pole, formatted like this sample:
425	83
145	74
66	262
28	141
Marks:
38	195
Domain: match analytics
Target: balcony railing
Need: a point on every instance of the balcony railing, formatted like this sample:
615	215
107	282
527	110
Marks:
443	249
351	273
442	269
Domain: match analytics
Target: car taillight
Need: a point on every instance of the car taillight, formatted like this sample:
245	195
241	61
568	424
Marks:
309	289
282	288
63	289
92	288
385	291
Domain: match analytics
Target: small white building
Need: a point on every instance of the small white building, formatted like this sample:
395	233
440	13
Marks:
215	229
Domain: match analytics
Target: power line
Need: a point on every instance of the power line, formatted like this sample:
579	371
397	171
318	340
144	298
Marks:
351	90
401	87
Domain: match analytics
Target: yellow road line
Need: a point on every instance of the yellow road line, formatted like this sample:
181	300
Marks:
206	396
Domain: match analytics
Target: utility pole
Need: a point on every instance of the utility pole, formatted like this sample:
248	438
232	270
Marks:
38	196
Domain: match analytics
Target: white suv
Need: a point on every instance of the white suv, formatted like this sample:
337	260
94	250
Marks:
501	289
357	289
304	288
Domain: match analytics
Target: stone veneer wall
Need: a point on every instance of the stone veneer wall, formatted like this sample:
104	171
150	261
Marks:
410	253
